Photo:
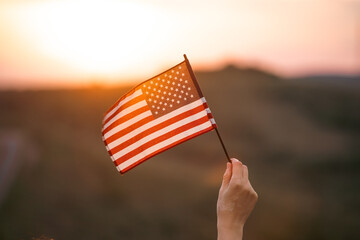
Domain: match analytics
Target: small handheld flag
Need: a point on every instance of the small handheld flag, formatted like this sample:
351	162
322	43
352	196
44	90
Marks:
156	115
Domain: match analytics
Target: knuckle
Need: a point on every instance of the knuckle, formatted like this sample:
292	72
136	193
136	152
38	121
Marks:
255	195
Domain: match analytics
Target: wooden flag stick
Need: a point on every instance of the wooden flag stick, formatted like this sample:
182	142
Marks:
222	144
201	95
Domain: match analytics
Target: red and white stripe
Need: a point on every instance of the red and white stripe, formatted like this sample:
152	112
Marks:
132	135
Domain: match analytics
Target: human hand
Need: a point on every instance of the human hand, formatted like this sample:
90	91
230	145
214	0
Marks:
236	200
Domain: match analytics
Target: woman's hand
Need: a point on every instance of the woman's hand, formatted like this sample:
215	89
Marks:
236	201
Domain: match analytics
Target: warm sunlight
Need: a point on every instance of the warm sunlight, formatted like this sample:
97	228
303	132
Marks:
56	43
97	37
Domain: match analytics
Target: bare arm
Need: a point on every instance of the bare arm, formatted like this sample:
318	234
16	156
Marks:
236	201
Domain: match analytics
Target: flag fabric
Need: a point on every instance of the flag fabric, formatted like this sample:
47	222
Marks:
156	115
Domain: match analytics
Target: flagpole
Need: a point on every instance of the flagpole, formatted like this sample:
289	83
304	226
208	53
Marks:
199	90
222	144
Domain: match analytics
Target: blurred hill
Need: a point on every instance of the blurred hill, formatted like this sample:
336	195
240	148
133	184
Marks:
299	137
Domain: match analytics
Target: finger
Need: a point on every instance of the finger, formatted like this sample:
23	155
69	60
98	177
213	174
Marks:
245	172
235	160
227	175
237	171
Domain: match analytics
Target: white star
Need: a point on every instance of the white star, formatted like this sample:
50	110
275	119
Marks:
153	106
167	99
182	74
164	92
170	105
173	83
175	95
172	71
152	94
166	87
191	95
165	104
168	81
144	85
179	96
170	76
163	109
179	84
180	79
161	85
157	96
165	75
183	86
186	94
147	92
156	84
159	91
160	103
158	107
162	97
186	81
177	72
154	89
156	112
150	100
172	100
182	91
189	88
169	94
158	78
185	98
175	78
155	101
172	88
178	101
179	67
176	89
163	80
149	87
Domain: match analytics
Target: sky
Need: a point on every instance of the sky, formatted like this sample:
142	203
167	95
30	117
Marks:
53	43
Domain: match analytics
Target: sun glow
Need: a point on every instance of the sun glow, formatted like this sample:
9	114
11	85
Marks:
98	37
77	42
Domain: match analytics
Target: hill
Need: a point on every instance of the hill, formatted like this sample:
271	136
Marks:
300	140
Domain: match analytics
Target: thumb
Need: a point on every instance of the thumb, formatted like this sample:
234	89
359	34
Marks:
227	175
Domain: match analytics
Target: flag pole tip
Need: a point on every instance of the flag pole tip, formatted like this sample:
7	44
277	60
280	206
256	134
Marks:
185	56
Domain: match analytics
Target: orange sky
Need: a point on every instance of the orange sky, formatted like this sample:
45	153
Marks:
50	43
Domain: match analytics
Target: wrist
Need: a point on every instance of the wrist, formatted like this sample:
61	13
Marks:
230	231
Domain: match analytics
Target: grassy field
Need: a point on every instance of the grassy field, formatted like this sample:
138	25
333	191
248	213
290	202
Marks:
300	140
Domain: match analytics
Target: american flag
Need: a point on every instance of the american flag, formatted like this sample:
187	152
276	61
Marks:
156	115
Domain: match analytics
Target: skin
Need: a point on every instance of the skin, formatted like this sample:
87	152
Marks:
236	200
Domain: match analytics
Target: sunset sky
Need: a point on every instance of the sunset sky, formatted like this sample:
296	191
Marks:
50	43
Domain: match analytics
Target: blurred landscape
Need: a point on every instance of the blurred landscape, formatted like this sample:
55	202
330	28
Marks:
299	137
